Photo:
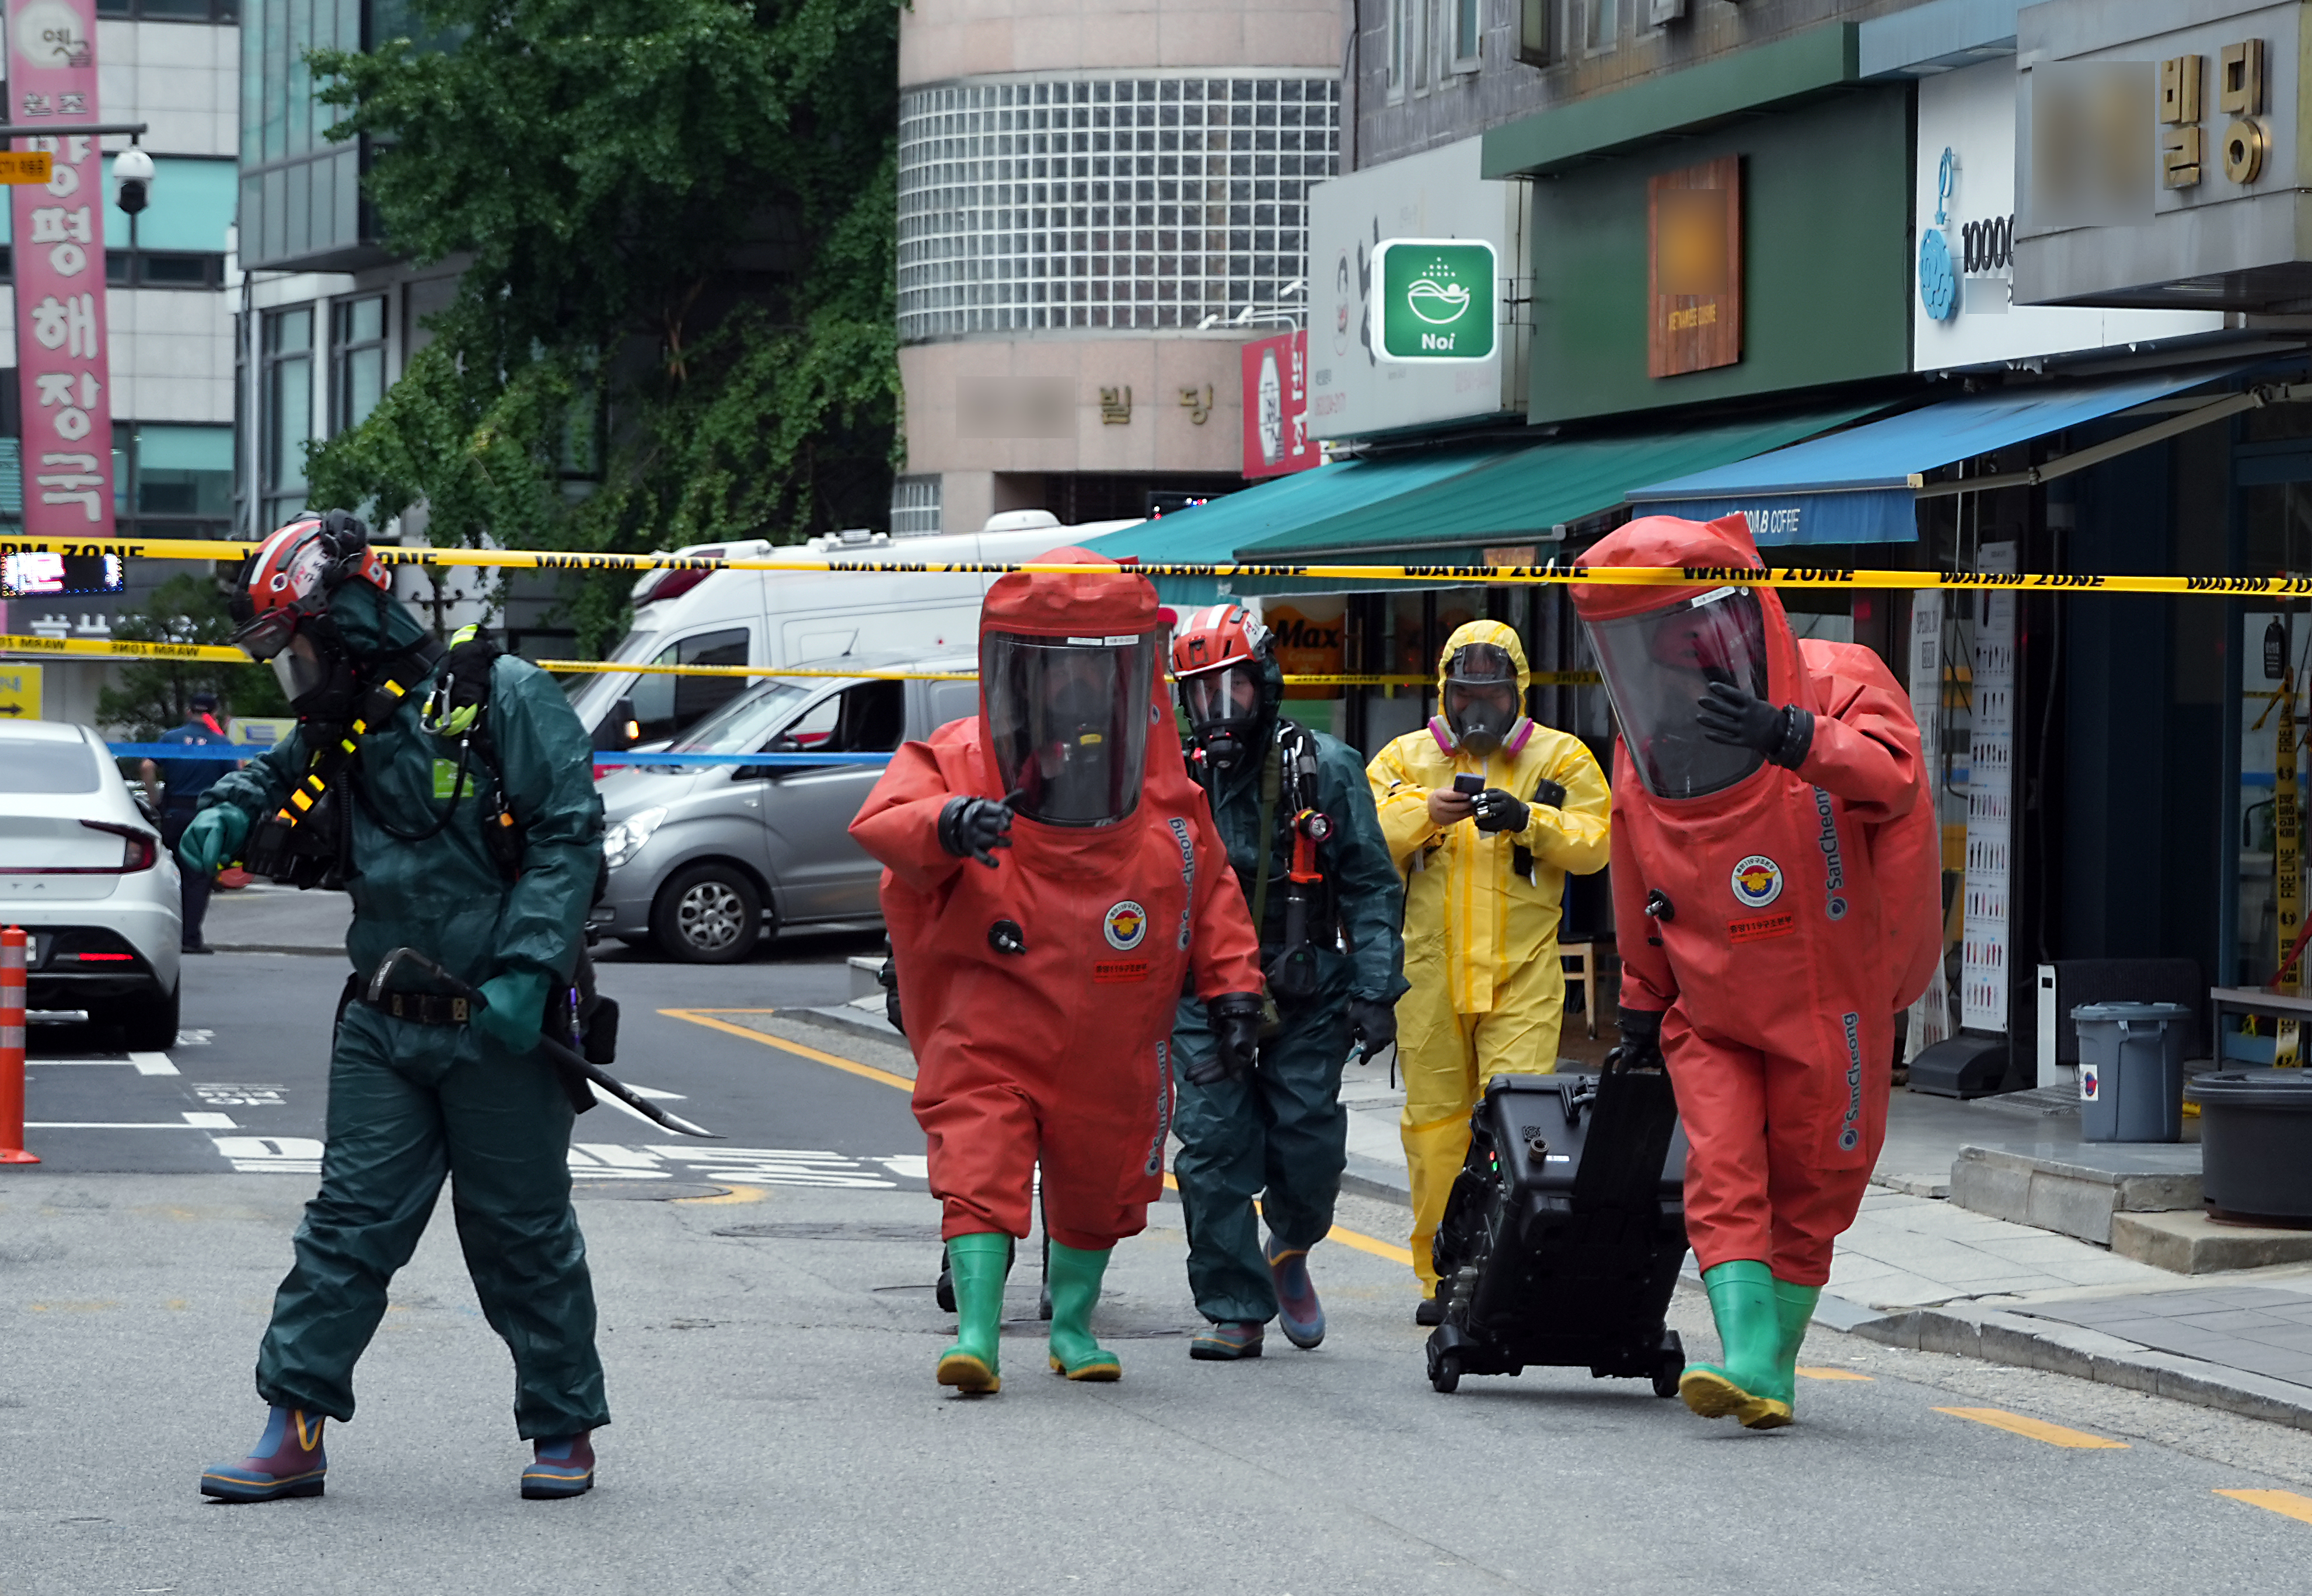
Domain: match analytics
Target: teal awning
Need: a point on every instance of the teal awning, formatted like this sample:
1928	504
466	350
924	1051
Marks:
1522	497
1210	534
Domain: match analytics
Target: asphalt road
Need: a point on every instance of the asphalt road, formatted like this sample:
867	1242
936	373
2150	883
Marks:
246	1087
770	1350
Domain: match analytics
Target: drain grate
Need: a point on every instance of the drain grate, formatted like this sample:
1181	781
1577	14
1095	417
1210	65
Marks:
845	1231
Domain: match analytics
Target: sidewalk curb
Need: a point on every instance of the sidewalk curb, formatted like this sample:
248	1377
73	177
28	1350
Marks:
2026	1343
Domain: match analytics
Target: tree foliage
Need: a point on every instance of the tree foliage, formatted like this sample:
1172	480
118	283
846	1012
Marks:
676	223
157	695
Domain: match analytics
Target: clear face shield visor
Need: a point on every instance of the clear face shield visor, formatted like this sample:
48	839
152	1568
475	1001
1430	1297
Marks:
1226	697
298	664
1658	666
1068	720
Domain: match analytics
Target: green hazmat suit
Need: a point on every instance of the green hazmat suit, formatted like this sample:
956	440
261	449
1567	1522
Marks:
410	1102
1280	1132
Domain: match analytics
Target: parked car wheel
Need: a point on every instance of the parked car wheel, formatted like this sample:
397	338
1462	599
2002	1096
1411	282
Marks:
149	1024
709	914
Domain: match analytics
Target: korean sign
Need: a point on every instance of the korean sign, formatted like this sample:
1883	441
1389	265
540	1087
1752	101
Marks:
1276	406
63	369
1439	299
1694	261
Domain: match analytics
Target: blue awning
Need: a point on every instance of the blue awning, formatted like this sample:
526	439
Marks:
1860	486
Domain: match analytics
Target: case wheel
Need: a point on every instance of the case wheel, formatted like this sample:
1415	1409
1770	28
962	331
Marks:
1445	1371
1671	1365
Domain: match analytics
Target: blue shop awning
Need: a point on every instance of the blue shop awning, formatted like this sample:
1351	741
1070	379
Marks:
1862	486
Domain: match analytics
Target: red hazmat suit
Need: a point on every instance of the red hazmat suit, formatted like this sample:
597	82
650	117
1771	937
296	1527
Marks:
1062	1051
1804	910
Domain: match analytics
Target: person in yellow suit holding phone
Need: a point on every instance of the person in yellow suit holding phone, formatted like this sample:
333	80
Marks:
1485	813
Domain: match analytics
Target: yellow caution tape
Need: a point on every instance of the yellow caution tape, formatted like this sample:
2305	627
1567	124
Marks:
1541	679
1791	576
120	648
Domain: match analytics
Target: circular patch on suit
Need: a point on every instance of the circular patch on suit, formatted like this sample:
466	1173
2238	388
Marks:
1126	924
1848	1139
1757	881
1838	909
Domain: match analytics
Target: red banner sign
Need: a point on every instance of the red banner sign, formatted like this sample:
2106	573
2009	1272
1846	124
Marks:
1276	406
62	371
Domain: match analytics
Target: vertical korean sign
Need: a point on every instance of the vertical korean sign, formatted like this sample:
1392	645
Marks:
63	369
1276	406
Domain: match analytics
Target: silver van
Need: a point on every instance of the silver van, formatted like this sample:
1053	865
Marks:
705	860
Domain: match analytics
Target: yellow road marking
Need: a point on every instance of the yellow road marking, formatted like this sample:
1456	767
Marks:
1345	1237
1826	1373
737	1194
849	1066
2286	1502
2015	1424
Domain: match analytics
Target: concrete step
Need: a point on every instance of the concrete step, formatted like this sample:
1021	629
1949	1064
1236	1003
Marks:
2193	1243
2075	1188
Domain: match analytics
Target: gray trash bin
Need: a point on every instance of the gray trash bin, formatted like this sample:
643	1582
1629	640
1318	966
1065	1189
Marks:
2131	1070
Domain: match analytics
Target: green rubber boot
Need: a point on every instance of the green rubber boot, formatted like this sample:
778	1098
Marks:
1793	1311
978	1263
1075	1287
1750	1384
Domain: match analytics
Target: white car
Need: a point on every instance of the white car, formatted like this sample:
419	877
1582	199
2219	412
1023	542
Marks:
83	871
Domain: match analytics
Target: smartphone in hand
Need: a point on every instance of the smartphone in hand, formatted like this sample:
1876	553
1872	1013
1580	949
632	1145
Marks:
1469	786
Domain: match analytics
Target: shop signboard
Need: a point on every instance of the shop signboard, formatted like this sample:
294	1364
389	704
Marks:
1694	267
1360	223
1964	311
1438	300
2157	155
63	373
1276	406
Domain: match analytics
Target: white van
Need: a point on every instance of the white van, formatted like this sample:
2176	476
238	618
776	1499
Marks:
798	617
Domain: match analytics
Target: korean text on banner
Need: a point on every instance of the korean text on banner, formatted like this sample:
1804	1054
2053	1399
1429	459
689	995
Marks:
1276	406
63	371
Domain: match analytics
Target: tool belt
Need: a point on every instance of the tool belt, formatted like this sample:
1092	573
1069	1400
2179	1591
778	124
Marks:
426	1008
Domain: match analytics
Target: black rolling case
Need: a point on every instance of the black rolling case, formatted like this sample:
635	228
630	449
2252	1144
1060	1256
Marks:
1563	1232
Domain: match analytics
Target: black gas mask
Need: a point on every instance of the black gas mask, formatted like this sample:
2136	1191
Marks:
1481	697
1229	711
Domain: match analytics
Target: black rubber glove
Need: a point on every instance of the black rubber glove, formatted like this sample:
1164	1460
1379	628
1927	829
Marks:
1373	1023
970	827
1732	717
1495	811
1640	1045
1235	1020
888	978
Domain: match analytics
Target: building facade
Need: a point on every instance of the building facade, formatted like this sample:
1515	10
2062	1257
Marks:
1095	201
174	64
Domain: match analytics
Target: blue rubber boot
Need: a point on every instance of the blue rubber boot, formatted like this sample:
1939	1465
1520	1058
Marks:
1299	1314
562	1465
1229	1341
287	1461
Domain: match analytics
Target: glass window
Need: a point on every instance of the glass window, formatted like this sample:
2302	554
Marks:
287	418
1604	30
179	470
171	11
865	719
1468	33
47	767
357	356
665	706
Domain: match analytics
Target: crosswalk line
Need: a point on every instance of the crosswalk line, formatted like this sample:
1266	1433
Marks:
2036	1429
1829	1373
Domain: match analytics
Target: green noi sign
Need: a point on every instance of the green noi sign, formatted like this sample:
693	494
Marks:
1433	300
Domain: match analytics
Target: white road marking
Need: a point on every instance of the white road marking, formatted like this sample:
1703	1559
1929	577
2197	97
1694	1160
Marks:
601	1096
152	1064
271	1155
108	1125
207	1121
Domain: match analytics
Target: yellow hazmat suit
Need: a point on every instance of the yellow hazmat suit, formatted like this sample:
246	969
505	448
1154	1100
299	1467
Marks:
1488	993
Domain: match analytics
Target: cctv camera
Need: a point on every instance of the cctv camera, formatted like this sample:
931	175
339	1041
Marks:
132	179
